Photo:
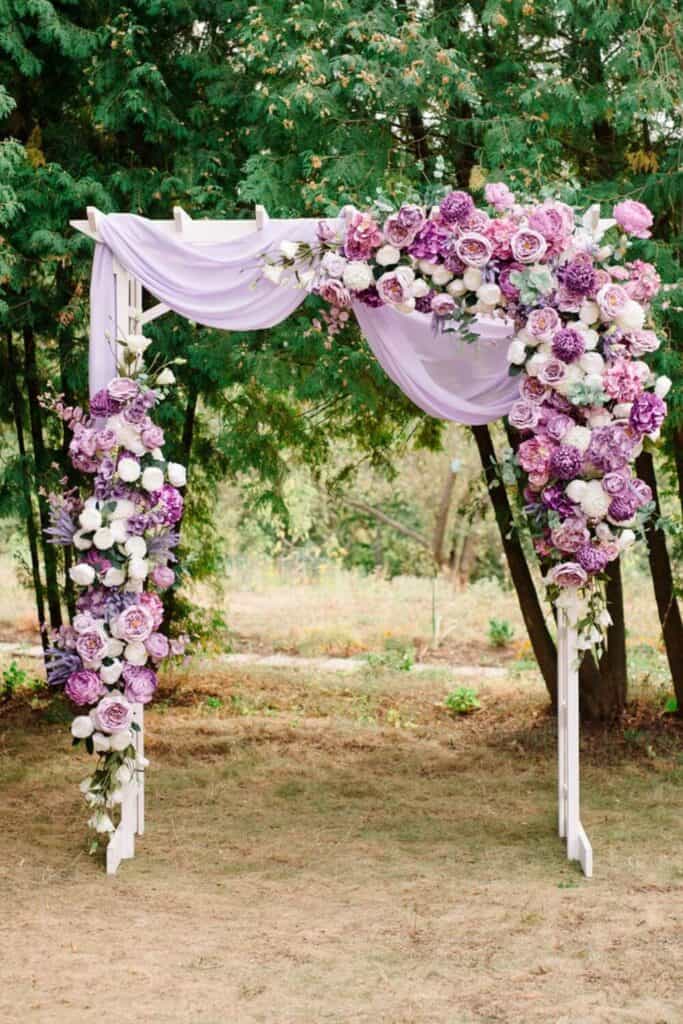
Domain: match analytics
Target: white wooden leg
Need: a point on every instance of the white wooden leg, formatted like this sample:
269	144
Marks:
561	725
122	843
140	764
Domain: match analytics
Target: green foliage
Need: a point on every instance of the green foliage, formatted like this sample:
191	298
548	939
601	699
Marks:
500	632
462	701
12	678
397	657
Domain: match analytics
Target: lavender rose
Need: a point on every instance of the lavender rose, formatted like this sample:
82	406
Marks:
557	425
152	437
532	389
473	249
552	372
615	483
92	646
156	645
334	292
611	299
528	246
542	323
592	558
442	305
401	228
162	577
524	415
568	574
499	195
570	535
395	287
84	687
140	684
155	607
134	624
122	389
112	714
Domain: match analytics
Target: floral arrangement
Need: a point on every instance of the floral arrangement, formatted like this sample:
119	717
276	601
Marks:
579	310
122	534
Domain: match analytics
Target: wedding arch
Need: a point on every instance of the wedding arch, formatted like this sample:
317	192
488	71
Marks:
408	285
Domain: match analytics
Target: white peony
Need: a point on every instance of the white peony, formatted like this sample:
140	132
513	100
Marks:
631	317
113	577
595	503
138	568
103	538
599	418
663	386
81	727
442	275
129	469
387	256
114	647
121	740
166	378
135	653
472	278
80	542
152	479
489	294
626	539
111	673
177	474
134	586
576	490
101	743
358	276
592	362
82	574
456	288
119	530
579	437
90	519
420	288
603	532
124	509
516	353
589	312
137	343
136	547
590	337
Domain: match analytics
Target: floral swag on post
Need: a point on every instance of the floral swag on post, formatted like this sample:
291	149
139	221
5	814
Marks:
122	534
587	400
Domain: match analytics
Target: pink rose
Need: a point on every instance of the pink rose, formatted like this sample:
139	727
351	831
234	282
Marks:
534	455
611	299
528	246
122	389
84	687
154	605
395	287
499	195
361	237
162	577
92	646
553	221
334	292
542	323
499	232
140	684
524	415
634	218
443	304
105	440
473	249
568	574
401	228
642	342
112	714
156	645
570	535
644	281
134	624
532	389
622	380
152	437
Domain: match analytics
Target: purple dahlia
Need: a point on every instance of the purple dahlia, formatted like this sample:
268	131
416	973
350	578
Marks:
565	462
456	207
568	345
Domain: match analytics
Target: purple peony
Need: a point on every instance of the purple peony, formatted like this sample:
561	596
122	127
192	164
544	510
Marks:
169	502
554	498
592	558
92	646
134	624
641	491
423	304
473	249
578	276
568	345
429	241
84	687
102	404
623	507
565	462
112	714
456	207
615	483
557	424
647	413
610	448
140	684
401	228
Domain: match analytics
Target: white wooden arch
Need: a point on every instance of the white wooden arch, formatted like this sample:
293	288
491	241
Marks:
122	844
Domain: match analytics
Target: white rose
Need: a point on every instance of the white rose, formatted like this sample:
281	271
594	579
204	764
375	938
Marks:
626	539
456	288
472	278
119	530
166	377
663	386
595	503
578	437
136	547
101	822
590	337
138	568
80	542
534	364
177	474
576	490
101	743
90	519
387	256
137	343
589	312
134	586
603	532
135	653
420	288
289	249
124	509
604	252
129	469
622	410
631	317
573	374
81	727
82	574
103	538
442	275
111	673
427	268
114	647
358	276
152	478
516	353
121	740
489	294
592	362
113	577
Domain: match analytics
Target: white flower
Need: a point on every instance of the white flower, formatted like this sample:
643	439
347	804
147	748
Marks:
622	410
124	509
135	653
358	276
138	568
121	740
441	276
124	774
153	478
516	352
387	256
101	743
427	267
113	577
111	673
90	519
333	264
81	727
119	530
534	364
272	272
594	224
82	574
631	317
166	378
626	539
579	437
420	288
177	474
101	822
663	386
576	490
137	343
604	252
592	362
590	337
84	786
103	538
456	288
573	375
603	532
599	418
289	249
114	647
472	278
134	586
129	469
489	294
595	503
589	312
126	434
80	542
136	547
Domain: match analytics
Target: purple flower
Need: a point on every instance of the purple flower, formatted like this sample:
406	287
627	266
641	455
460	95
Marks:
122	389
60	665
528	246
623	507
641	491
499	195
509	290
84	687
140	684
615	483
552	372
565	462
401	228
568	345
395	287
429	241
610	448
156	645
134	624
443	304
102	404
554	498
647	413
557	424
136	411
361	237
524	415
154	606
162	577
423	304
592	558
532	389
570	535
568	574
542	323
456	207
578	276
112	714
152	437
634	217
92	646
369	297
473	249
169	505
334	292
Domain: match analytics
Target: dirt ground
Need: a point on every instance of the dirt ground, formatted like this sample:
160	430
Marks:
338	849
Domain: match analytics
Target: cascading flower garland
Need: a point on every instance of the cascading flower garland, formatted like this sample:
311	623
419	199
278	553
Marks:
580	312
122	535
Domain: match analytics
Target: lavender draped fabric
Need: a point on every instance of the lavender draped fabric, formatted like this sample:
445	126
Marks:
221	285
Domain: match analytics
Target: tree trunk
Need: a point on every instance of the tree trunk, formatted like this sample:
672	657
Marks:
64	343
442	518
678	457
26	488
41	464
539	634
170	602
662	578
